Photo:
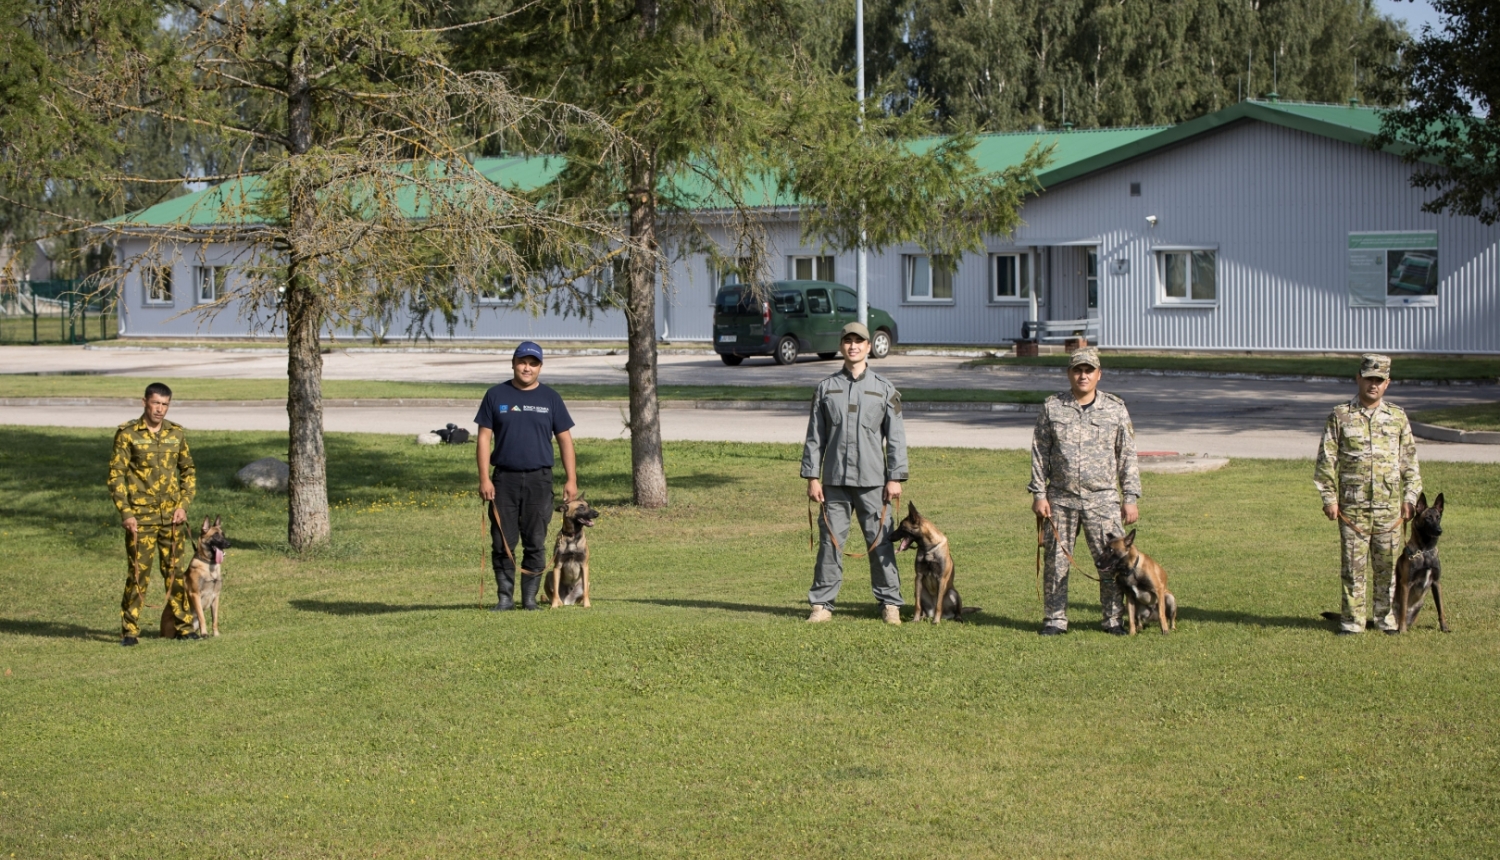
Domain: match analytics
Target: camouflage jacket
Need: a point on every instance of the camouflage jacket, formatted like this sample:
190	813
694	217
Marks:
855	437
1083	458
151	474
1367	458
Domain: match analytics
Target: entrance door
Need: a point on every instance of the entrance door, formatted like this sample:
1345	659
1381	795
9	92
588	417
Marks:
1072	277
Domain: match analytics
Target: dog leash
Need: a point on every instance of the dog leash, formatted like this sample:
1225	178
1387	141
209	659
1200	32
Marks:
1057	536
1400	524
884	509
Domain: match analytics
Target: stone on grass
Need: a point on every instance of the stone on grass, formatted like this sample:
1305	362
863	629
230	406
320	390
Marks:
267	473
429	439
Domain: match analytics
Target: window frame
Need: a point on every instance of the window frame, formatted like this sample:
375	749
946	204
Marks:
1022	263
908	277
151	276
819	261
504	297
218	275
1159	255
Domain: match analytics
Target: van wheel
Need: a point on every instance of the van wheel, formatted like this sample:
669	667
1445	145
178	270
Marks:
786	350
732	360
880	344
825	356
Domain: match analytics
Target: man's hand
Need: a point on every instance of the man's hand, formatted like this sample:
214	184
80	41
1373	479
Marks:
1129	513
130	525
1407	512
179	516
1042	508
815	490
486	488
570	490
892	491
1331	511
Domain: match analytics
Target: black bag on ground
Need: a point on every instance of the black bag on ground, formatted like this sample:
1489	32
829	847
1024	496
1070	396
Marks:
453	434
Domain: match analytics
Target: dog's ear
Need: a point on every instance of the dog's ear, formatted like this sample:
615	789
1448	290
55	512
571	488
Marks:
205	525
1130	538
911	510
562	507
217	521
1422	501
1438	505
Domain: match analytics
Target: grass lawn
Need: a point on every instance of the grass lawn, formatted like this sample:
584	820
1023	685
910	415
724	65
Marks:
13	385
15	331
359	704
1479	416
1402	367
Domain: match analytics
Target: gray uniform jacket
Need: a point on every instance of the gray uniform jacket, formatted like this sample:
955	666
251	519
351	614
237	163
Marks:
1084	458
855	437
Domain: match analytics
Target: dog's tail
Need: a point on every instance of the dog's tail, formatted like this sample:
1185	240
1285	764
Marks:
972	609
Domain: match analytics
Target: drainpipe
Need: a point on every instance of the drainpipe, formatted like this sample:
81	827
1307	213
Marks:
1031	277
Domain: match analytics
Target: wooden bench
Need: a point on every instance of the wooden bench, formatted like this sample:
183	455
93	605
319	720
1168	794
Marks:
1057	331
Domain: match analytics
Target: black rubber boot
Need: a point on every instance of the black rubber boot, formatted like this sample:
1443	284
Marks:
530	582
505	583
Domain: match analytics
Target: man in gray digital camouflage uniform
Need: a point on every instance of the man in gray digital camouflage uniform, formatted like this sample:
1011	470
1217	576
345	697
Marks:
1083	473
1368	478
854	460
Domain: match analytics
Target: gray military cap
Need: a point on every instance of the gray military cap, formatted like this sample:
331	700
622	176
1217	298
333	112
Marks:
1088	355
1374	364
855	328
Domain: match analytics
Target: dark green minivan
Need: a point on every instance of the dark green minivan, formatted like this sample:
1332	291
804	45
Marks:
799	316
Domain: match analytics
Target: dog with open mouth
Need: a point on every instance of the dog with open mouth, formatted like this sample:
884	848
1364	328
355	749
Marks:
569	583
203	580
936	596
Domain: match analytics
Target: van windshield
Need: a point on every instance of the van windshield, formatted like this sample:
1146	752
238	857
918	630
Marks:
736	303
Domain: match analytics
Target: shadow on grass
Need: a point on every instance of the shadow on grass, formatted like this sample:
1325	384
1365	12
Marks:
1249	619
55	629
779	611
355	607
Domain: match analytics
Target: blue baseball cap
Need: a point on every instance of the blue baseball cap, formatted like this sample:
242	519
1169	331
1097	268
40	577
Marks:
527	348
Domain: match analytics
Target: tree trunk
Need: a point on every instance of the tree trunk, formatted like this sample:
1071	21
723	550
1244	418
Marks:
307	486
648	472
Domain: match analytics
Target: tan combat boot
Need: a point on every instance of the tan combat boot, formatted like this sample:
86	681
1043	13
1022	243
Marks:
891	614
819	613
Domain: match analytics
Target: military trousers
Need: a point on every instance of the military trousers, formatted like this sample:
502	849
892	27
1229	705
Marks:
839	507
166	543
1369	559
1098	523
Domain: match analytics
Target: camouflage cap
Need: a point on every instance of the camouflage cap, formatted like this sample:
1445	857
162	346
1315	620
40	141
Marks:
855	329
1373	364
1087	355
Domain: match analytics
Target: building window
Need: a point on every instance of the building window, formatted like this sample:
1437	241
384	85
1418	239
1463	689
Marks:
1187	276
210	283
929	279
156	283
1091	278
499	291
728	273
1135	189
1010	277
809	268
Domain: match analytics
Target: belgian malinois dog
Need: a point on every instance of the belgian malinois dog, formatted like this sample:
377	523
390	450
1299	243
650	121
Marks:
1418	568
934	567
569	582
1143	584
203	580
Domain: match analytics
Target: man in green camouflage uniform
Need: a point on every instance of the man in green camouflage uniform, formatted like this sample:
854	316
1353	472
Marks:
152	481
854	460
1368	478
1083	474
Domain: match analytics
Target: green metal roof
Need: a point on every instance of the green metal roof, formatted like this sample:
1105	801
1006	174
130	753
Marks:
1075	153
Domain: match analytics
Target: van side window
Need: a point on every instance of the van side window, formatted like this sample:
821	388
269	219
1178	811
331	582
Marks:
847	303
789	302
817	302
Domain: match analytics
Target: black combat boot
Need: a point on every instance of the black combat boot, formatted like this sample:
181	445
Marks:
505	583
530	582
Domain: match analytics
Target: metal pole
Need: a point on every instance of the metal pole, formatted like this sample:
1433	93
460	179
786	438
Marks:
861	267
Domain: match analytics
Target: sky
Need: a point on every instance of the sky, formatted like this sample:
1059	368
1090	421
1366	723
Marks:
1415	13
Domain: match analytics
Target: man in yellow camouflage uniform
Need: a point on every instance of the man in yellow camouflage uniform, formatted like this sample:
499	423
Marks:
1367	475
152	481
1083	474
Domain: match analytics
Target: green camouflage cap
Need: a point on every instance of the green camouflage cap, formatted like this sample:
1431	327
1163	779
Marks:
1373	364
1087	355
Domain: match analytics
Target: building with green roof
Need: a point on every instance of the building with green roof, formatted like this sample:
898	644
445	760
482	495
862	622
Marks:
1265	226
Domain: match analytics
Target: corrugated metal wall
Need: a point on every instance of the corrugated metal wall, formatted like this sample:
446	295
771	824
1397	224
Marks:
1277	204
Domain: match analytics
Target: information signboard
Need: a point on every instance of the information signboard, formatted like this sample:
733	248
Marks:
1393	270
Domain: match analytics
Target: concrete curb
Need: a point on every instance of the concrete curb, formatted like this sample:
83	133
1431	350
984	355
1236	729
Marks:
1448	434
428	403
501	351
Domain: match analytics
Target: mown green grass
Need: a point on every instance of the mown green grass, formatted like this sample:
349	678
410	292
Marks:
18	330
15	385
1478	416
359	704
1402	367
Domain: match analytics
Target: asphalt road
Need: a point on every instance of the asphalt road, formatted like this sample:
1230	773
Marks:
1219	416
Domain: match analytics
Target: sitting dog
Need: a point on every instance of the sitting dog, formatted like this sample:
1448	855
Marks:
934	568
1418	568
569	582
203	580
1143	584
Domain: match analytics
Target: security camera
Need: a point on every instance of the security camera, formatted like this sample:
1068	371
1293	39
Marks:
1151	219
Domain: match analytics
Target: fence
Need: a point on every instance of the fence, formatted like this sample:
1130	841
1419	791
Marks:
62	311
